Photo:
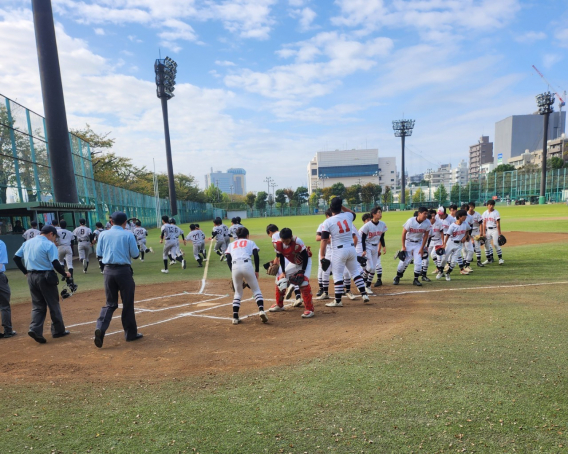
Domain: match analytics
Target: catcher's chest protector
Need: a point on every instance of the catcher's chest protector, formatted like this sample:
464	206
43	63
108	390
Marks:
291	252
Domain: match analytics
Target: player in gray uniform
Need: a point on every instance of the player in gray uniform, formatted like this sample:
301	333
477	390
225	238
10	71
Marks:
30	233
435	241
96	234
197	237
203	252
64	243
221	234
84	236
476	230
454	238
141	233
176	252
235	225
170	234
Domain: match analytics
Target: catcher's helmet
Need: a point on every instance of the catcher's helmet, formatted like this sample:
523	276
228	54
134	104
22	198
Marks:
501	240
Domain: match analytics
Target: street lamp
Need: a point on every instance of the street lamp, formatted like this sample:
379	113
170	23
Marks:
268	180
166	70
323	177
402	129
545	102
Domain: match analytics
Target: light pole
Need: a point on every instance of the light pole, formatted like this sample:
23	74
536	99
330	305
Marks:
402	129
231	192
268	180
218	193
165	80
323	177
545	102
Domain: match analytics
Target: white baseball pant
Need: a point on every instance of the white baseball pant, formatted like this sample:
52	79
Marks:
65	254
412	252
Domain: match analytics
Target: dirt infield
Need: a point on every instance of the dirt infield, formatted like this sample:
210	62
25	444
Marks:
524	238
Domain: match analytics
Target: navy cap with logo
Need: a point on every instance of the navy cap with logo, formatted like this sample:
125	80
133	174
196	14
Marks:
49	229
118	218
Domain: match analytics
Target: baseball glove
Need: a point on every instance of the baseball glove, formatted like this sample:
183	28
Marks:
271	268
325	264
362	261
502	240
401	255
245	285
297	278
440	250
479	238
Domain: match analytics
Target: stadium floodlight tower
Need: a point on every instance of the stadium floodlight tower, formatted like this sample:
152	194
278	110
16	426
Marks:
545	102
166	70
402	129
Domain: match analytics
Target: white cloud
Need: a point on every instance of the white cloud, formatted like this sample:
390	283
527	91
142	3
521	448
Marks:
99	31
562	37
549	60
305	17
224	63
308	78
530	37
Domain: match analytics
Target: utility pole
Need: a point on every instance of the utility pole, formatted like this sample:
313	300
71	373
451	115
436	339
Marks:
545	102
403	129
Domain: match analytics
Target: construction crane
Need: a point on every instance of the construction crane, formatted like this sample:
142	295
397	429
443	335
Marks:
561	100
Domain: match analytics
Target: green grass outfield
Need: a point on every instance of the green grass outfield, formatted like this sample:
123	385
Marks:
488	375
536	219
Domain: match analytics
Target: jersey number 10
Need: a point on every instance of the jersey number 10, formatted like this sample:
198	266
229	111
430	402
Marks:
341	228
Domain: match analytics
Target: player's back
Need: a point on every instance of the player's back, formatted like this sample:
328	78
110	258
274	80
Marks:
340	228
83	233
65	237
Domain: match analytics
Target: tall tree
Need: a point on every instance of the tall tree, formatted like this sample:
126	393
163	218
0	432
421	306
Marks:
456	193
260	202
327	194
280	197
99	143
387	195
338	190
441	194
555	163
315	197
289	192
503	168
250	198
352	194
301	195
418	196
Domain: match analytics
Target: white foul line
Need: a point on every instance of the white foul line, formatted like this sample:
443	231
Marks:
471	288
204	280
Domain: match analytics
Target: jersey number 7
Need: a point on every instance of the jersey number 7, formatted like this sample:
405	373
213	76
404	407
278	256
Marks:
346	226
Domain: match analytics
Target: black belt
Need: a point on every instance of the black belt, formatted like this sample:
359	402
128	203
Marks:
342	245
457	242
491	228
84	241
244	261
411	241
38	271
112	265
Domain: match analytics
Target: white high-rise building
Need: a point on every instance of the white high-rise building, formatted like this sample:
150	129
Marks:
459	175
350	167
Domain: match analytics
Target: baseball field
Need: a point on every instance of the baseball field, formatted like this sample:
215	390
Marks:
477	364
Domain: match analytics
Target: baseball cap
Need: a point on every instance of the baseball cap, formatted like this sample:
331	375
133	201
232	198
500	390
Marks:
49	229
441	210
336	203
118	217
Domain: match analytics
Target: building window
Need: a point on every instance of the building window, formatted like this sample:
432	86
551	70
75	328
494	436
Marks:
392	171
314	171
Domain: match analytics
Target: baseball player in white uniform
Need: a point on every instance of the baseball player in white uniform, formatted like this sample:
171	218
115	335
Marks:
362	262
467	248
476	230
492	231
197	238
64	248
435	242
222	237
454	238
84	235
140	234
371	234
338	230
32	232
169	236
240	255
323	276
176	252
415	234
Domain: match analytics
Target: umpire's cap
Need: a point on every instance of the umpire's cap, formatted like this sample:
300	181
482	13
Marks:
118	218
49	229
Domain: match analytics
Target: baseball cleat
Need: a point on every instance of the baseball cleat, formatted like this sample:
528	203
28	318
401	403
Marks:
446	268
479	263
464	271
439	276
448	278
141	260
369	291
236	321
435	272
351	296
183	264
173	262
151	250
308	314
396	280
485	263
165	271
289	292
501	262
299	302
426	279
199	265
366	298
276	308
334	304
469	269
379	283
320	292
263	316
99	337
417	282
323	296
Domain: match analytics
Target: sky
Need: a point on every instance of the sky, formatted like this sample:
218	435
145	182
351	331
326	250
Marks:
265	84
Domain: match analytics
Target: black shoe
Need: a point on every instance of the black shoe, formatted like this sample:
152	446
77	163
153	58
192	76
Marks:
479	263
416	282
99	338
7	335
378	283
64	333
320	292
396	280
199	265
426	279
39	339
138	336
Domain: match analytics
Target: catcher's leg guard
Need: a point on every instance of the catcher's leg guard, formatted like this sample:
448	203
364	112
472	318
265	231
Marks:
307	297
279	296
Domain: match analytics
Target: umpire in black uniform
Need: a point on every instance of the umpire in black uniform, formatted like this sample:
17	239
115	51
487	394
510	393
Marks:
41	259
117	247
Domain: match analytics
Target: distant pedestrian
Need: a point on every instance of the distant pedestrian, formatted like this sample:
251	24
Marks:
117	247
40	257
